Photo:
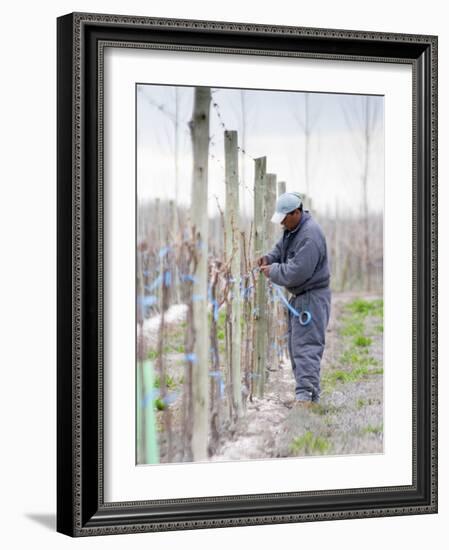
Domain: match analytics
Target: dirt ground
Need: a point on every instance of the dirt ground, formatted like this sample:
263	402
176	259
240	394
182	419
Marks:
349	417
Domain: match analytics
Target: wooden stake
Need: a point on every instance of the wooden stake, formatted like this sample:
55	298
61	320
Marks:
281	188
232	221
199	127
270	237
260	327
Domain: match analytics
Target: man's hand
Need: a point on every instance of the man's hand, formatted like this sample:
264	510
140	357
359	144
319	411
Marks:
265	270
262	261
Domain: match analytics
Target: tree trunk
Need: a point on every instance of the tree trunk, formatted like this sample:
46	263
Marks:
366	249
306	144
336	249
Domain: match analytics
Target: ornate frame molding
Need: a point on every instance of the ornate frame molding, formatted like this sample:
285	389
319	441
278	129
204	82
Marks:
81	42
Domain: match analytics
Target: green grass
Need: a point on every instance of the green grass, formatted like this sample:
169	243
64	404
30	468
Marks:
360	403
352	326
380	370
221	318
353	321
355	361
221	323
363	341
174	347
169	348
159	404
331	379
357	358
309	444
169	382
365	307
349	376
376	430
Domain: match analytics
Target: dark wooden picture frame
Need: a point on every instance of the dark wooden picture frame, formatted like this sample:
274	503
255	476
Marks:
81	510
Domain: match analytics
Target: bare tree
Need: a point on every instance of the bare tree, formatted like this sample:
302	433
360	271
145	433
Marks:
362	122
306	120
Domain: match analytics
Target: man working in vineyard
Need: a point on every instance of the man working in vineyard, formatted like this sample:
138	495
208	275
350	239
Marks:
299	263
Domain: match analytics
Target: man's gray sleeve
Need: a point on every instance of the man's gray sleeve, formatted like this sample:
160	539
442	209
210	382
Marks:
298	269
275	254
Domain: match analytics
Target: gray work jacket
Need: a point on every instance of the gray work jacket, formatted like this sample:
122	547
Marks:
299	259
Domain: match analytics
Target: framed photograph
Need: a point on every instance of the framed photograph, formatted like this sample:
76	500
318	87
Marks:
247	274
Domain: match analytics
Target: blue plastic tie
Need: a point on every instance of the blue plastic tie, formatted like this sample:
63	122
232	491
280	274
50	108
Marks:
167	278
170	397
163	251
215	305
150	397
285	301
157	282
215	374
187	277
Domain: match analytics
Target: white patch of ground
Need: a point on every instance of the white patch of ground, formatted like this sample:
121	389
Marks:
174	314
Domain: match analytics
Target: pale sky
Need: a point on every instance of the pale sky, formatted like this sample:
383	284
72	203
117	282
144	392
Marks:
274	127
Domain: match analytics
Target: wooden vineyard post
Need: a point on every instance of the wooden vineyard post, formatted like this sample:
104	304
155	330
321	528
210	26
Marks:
281	188
280	314
270	204
199	127
232	224
161	361
217	383
247	332
280	191
260	314
270	238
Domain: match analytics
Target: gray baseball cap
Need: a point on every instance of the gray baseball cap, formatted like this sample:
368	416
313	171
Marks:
287	202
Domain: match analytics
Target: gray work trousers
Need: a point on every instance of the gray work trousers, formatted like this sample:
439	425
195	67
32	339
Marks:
306	343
